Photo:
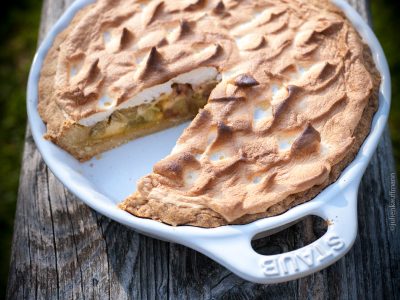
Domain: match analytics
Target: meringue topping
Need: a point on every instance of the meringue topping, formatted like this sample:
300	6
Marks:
293	92
295	83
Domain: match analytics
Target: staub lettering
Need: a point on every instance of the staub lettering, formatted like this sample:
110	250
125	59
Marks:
311	256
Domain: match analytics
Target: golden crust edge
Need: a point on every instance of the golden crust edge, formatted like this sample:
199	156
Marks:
51	114
113	141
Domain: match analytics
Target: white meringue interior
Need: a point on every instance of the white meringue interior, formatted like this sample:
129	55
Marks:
195	77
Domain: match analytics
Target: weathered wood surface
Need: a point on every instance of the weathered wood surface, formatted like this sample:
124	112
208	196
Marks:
63	249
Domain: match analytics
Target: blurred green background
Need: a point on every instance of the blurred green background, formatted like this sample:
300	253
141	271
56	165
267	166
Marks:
19	28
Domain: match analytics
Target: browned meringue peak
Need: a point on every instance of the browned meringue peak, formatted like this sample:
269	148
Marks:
152	63
83	90
152	9
300	83
309	140
181	31
244	80
294	86
279	109
195	5
220	10
126	39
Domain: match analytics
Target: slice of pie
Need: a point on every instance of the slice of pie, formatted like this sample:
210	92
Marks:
114	74
290	90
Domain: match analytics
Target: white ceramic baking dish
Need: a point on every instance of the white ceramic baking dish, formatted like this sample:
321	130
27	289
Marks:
102	183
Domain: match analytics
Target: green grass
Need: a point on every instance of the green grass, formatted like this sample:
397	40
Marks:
386	24
18	31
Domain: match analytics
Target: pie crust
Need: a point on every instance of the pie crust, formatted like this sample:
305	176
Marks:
293	101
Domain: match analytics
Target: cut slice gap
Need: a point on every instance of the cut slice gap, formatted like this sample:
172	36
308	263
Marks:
125	124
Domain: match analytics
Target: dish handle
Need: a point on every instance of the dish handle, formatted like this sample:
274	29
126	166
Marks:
236	253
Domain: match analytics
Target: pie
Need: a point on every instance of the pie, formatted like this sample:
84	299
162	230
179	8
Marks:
282	94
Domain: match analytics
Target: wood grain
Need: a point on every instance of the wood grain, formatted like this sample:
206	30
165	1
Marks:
64	250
